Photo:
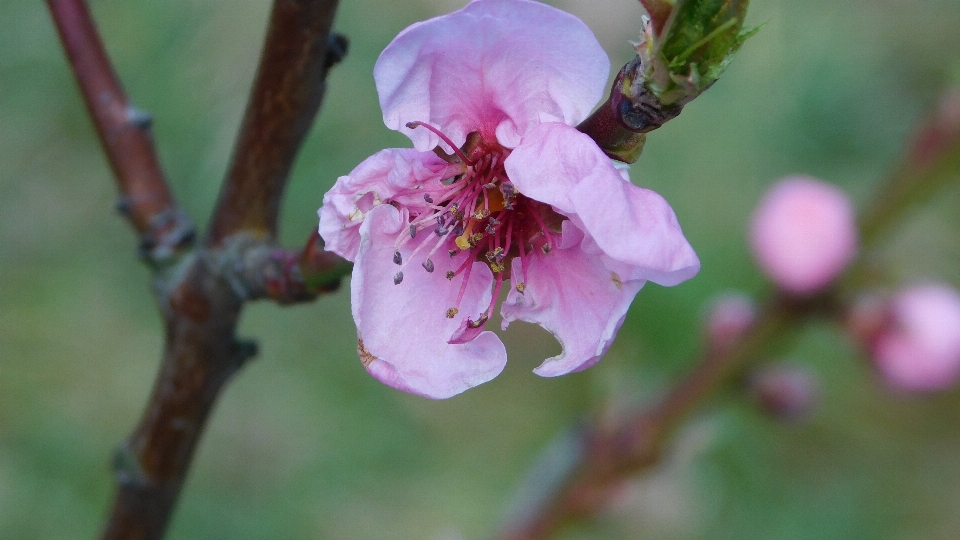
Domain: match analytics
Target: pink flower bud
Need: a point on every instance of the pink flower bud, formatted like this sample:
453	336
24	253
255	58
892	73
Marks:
787	392
918	346
729	316
803	234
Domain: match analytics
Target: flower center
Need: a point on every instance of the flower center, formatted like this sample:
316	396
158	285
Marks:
480	212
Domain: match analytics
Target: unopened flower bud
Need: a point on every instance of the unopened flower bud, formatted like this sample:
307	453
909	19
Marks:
786	392
917	348
729	316
803	234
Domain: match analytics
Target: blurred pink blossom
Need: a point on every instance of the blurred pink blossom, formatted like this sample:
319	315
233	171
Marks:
512	193
729	316
803	234
785	391
917	347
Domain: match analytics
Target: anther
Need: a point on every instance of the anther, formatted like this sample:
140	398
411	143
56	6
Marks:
458	229
521	287
428	198
546	248
477	323
413	232
397	259
453	252
428	265
451	274
452	312
398	278
440	230
496	267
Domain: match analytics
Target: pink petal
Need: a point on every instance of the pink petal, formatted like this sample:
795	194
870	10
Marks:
496	66
577	299
378	178
558	165
404	329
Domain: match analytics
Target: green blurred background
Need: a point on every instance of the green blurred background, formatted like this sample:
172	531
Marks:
304	444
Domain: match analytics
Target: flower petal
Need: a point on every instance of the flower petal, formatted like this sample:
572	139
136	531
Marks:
403	329
378	178
634	227
577	299
499	67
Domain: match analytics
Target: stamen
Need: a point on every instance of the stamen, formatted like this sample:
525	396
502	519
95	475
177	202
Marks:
444	138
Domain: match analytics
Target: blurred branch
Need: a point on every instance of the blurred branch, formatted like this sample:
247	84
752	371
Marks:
124	132
610	451
285	98
932	159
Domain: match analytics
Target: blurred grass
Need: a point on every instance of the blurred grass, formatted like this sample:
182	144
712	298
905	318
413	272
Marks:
305	444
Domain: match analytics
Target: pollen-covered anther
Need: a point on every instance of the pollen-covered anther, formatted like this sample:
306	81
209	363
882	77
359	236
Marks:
397	259
495	255
428	265
398	278
481	214
546	248
477	323
496	267
521	287
474	239
452	312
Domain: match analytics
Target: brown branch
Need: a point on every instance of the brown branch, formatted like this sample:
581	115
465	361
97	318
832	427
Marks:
285	98
201	294
124	132
201	354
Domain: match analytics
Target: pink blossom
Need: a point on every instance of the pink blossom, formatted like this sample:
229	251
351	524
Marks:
518	197
917	347
729	316
803	234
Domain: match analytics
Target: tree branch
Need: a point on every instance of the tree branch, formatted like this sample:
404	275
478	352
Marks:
201	354
285	98
201	294
124	132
